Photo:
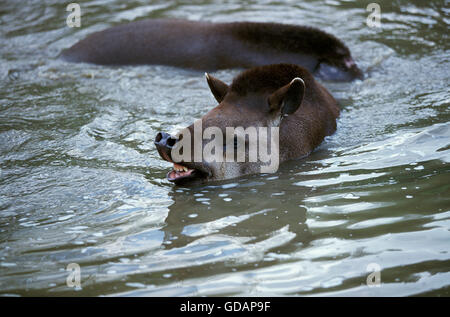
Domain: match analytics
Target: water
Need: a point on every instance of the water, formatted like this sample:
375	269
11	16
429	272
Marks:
81	181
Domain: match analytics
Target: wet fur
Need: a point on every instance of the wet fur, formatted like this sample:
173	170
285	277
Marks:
268	78
209	46
304	130
245	103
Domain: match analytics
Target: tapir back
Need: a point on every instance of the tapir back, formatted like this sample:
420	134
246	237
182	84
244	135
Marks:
210	46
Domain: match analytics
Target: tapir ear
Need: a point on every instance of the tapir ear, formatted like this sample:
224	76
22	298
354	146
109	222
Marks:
288	98
218	88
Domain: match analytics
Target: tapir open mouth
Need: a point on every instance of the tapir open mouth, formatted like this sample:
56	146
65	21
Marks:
181	173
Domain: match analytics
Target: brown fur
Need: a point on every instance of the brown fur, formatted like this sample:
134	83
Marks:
303	131
268	78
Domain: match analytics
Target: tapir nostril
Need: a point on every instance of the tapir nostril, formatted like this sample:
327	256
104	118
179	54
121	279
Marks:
158	137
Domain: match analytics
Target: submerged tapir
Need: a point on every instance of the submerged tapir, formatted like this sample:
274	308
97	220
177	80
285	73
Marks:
211	46
284	97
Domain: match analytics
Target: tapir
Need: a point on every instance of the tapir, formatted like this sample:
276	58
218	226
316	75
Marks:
285	97
210	46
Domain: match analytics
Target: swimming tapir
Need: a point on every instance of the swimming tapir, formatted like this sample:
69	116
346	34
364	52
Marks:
211	46
282	97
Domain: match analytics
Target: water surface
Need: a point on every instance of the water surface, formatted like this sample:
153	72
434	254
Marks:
81	181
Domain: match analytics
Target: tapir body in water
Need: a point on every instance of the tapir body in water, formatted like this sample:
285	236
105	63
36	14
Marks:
284	97
210	46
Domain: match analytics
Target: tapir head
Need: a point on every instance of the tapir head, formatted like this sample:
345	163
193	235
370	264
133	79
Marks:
240	136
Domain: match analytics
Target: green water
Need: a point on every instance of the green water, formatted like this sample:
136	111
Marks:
81	181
